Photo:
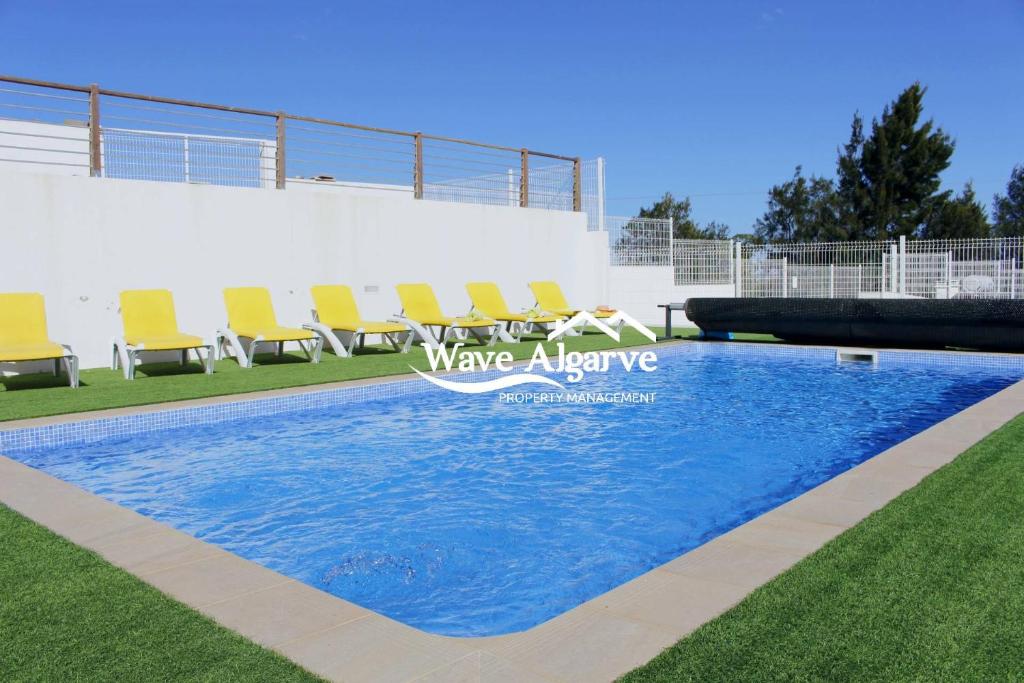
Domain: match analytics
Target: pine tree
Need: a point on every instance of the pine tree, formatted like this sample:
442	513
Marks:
888	182
1008	211
960	217
851	190
800	210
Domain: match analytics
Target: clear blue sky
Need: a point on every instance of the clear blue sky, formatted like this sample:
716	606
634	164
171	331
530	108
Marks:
713	100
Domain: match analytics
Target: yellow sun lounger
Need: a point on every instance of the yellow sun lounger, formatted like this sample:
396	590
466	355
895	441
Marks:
337	318
150	324
551	300
23	335
488	301
251	316
422	312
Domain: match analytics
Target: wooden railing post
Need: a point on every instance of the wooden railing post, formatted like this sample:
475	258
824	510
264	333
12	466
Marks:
524	177
577	187
279	163
95	145
417	167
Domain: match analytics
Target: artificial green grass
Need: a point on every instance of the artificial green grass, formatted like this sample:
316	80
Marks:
930	588
67	615
41	394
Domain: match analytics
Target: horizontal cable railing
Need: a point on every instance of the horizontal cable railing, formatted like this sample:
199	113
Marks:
87	130
44	127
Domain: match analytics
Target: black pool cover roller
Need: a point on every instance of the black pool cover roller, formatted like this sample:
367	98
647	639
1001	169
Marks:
996	324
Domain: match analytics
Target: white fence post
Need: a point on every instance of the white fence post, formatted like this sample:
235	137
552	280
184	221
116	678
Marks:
188	162
785	276
903	265
893	266
949	275
738	268
672	247
831	281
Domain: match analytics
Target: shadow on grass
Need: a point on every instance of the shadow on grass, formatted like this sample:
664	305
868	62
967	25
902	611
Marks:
367	351
165	369
40	380
284	359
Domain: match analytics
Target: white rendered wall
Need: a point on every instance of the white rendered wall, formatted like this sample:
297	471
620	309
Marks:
639	290
80	241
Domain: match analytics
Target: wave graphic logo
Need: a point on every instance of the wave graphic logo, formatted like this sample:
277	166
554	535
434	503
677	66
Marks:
611	326
496	384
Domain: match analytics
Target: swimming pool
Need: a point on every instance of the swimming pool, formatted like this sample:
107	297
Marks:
463	516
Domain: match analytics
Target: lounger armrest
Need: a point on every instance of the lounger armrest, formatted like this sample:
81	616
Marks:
416	330
317	327
327	336
228	335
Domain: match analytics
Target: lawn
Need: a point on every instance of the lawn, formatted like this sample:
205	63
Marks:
929	588
42	394
66	614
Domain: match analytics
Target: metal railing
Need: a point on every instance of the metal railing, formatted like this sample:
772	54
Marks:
703	262
817	269
935	269
639	241
88	130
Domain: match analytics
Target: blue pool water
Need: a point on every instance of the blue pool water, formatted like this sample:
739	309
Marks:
463	516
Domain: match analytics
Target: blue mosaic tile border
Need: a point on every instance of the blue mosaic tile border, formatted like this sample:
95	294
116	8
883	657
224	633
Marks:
70	433
886	358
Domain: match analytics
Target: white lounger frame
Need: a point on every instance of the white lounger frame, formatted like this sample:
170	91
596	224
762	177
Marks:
343	342
69	359
125	354
434	341
520	328
227	338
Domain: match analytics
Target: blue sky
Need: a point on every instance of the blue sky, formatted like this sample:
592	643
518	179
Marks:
713	100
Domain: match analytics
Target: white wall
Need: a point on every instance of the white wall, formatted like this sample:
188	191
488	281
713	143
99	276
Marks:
81	240
639	290
392	192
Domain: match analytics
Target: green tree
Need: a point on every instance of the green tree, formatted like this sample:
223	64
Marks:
683	225
961	216
889	181
1008	211
852	195
715	230
800	210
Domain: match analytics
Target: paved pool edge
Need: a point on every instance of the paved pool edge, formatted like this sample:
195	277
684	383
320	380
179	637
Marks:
598	640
